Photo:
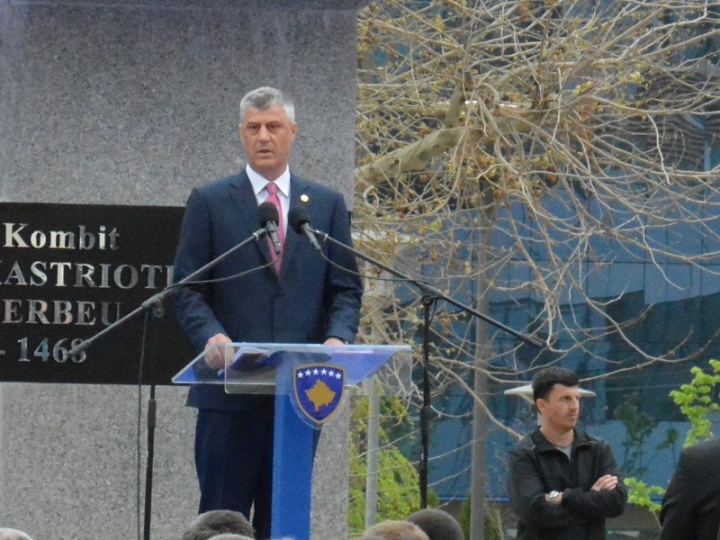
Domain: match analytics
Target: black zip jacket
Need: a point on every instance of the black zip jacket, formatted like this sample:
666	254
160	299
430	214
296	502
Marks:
536	467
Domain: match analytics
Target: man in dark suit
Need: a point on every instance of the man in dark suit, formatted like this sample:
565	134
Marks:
304	299
691	504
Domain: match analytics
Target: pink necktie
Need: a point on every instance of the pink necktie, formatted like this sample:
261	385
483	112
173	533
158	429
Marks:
273	198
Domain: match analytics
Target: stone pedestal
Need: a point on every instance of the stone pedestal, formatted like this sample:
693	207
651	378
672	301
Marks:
134	104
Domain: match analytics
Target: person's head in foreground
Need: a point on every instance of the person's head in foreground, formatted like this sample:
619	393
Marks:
12	534
396	530
215	522
437	524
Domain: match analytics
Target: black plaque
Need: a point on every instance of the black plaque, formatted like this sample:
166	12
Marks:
67	272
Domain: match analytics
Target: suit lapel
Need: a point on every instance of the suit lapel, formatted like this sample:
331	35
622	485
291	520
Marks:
298	195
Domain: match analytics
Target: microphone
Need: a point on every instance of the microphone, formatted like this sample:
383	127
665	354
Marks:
269	218
300	220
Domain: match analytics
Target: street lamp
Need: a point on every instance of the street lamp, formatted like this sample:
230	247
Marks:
526	392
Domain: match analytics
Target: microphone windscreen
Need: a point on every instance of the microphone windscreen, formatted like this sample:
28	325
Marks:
297	217
267	211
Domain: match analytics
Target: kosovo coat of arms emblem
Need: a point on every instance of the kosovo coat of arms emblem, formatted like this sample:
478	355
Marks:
318	390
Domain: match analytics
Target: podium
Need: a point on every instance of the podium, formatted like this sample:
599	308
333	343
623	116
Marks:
309	383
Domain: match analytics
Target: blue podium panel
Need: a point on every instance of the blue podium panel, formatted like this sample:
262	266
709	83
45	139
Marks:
308	383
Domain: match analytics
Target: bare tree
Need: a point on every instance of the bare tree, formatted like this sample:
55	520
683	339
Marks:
520	152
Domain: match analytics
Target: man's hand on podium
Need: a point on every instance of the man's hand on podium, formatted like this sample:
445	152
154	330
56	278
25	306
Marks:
218	357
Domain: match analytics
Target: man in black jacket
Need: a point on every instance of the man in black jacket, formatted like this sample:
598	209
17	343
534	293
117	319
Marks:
691	504
563	483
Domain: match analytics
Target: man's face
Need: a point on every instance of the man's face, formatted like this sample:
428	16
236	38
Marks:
561	409
267	137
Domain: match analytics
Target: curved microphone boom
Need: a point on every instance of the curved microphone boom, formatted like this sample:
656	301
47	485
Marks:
300	220
269	218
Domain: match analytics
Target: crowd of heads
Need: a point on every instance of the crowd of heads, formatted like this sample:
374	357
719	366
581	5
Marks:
426	524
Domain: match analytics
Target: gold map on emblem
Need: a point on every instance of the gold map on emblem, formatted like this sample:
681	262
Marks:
320	395
304	198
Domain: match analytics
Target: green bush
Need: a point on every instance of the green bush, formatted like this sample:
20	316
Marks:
696	400
398	480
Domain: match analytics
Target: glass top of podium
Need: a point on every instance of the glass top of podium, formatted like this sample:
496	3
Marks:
258	368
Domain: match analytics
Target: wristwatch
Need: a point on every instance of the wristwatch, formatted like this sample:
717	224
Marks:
554	494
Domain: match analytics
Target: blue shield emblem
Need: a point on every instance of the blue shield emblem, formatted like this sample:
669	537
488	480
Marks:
318	390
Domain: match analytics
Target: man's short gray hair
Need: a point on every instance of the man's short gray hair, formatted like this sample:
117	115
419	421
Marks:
265	97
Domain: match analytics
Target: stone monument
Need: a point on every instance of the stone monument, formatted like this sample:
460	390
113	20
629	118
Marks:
134	104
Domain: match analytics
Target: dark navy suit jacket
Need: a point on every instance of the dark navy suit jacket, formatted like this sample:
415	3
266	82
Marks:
310	301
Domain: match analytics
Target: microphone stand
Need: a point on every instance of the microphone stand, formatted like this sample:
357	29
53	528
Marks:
158	298
154	304
429	299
